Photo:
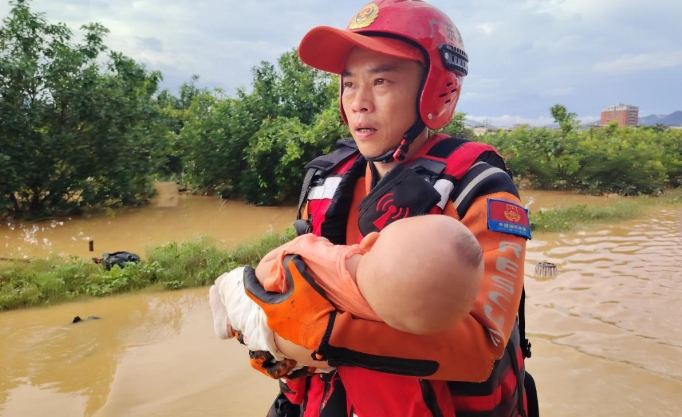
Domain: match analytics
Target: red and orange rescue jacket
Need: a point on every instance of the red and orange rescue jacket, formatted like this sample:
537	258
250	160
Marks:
477	368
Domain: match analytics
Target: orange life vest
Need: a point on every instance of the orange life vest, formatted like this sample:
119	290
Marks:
458	171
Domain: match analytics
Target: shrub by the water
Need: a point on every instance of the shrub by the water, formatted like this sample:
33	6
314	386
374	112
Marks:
626	161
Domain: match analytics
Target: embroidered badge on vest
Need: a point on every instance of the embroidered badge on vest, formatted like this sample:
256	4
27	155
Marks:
508	217
401	193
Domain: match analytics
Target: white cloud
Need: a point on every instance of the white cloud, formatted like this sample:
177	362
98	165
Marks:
510	120
569	9
560	45
470	95
487	27
643	62
589	119
481	81
557	92
523	53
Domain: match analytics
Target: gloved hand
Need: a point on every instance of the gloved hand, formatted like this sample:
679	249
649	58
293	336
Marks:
236	315
300	315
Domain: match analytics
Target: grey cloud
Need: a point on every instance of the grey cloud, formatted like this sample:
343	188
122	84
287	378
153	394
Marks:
544	50
637	63
150	43
526	55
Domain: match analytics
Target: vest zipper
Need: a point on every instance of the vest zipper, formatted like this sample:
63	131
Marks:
429	396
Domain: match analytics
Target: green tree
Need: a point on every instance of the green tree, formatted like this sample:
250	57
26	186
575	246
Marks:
567	121
610	159
457	127
304	92
670	142
174	112
627	161
255	145
279	151
214	137
72	134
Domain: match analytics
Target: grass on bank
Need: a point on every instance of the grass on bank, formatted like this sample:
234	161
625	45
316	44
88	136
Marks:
565	219
169	267
197	263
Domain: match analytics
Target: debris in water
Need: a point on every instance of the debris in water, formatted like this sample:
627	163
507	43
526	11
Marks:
79	319
546	269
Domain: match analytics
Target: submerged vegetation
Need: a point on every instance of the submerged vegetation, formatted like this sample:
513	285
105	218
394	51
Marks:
169	267
565	219
198	263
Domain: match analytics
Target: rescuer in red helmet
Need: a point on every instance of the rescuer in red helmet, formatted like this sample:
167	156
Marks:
401	65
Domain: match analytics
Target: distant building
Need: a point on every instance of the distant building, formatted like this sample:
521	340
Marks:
482	130
624	114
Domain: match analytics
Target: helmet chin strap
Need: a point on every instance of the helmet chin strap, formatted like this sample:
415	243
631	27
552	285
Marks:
400	153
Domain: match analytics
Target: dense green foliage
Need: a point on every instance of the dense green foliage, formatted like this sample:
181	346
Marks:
627	161
73	132
254	146
83	127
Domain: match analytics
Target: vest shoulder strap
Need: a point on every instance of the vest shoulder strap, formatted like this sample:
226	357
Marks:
344	149
445	147
322	165
459	162
461	154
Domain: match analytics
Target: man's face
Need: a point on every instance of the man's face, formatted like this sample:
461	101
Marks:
379	99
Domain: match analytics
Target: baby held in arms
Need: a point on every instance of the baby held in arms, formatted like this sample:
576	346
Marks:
419	275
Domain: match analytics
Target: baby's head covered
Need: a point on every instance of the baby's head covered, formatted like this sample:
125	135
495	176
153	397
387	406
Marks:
427	273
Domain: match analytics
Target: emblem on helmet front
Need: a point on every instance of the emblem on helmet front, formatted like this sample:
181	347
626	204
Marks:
365	17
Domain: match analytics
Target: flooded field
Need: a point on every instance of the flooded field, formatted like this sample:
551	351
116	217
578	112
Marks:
605	332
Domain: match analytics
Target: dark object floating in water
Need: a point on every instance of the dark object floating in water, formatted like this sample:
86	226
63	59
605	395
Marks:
546	269
78	318
116	258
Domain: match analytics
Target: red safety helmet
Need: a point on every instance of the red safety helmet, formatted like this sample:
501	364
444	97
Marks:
410	29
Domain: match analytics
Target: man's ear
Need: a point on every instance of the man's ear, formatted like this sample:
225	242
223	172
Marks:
368	241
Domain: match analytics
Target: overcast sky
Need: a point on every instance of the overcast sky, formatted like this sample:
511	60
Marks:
525	55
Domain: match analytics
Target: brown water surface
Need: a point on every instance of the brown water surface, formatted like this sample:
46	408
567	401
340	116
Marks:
148	355
171	216
605	331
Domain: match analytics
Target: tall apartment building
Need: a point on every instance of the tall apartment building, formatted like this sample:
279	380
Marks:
624	114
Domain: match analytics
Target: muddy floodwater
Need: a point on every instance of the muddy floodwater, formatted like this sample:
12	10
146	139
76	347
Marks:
172	216
606	332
